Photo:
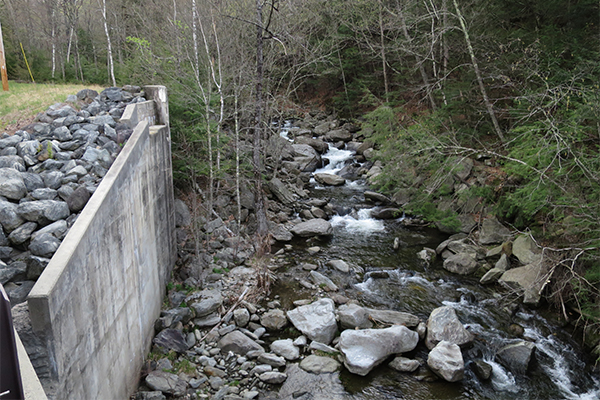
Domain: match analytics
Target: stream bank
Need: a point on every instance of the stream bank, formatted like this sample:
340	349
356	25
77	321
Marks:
339	269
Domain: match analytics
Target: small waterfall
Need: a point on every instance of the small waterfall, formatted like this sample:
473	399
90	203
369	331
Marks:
337	159
502	380
284	131
362	224
558	371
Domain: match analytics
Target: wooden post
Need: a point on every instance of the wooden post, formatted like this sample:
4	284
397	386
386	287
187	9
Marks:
3	63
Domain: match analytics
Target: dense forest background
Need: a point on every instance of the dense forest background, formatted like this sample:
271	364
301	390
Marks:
515	81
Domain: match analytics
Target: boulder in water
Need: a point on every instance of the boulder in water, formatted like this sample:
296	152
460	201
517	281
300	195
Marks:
329	179
393	317
516	356
386	213
339	135
364	349
443	324
446	361
313	227
461	263
315	320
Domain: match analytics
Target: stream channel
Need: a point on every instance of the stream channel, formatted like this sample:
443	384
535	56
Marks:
560	369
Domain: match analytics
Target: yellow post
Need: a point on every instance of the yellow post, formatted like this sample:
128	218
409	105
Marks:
26	63
3	64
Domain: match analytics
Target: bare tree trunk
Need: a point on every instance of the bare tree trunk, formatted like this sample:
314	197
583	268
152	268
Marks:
486	99
445	51
418	59
111	67
53	38
196	65
69	45
261	215
383	56
238	199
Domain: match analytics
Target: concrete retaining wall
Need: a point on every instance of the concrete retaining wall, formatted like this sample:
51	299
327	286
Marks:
96	302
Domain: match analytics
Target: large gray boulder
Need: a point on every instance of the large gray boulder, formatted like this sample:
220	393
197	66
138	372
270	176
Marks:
171	339
239	343
526	250
183	217
44	245
210	301
22	234
313	227
12	162
516	356
461	263
323	282
492	231
281	233
329	179
529	280
308	164
364	349
286	349
316	320
446	361
319	145
339	135
273	320
377	197
403	364
12	185
319	365
301	384
340	265
353	316
9	218
324	127
43	211
443	324
462	167
386	213
281	191
305	150
393	317
166	383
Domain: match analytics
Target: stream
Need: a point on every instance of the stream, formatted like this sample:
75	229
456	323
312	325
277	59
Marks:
560	371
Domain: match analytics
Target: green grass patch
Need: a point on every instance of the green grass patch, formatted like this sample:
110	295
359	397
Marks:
20	104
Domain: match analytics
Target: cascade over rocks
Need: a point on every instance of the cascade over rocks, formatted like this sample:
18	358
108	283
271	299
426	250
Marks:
229	347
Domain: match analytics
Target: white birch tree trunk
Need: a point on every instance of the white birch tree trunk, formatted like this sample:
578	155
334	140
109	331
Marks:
486	100
111	67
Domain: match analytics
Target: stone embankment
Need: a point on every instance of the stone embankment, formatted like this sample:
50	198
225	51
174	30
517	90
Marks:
216	341
48	171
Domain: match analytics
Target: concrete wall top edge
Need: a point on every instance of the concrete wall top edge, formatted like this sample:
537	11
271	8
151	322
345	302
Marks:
61	258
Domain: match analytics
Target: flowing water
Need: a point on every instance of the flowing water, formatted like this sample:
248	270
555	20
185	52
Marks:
560	370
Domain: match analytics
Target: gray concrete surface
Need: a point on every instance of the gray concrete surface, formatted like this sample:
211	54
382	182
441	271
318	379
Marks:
96	301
